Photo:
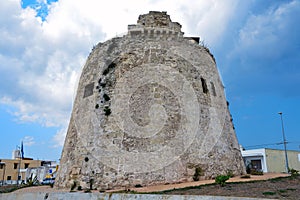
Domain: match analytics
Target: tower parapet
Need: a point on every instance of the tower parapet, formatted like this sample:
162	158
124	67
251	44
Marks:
155	25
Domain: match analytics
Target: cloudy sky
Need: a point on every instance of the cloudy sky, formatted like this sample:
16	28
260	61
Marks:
44	45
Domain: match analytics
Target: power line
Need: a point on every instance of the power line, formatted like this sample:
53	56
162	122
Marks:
259	145
262	145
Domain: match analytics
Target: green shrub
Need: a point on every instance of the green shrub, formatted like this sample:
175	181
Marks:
221	179
293	172
32	181
256	172
269	193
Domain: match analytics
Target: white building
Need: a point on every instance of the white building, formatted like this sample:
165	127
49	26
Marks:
271	160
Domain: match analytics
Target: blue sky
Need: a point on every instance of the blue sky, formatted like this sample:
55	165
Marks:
44	44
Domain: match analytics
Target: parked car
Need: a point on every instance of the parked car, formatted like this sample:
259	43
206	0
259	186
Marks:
48	181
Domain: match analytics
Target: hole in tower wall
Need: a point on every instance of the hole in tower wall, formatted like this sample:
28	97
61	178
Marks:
204	86
213	89
106	97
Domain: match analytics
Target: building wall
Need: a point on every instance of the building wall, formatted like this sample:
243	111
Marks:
255	154
276	160
9	171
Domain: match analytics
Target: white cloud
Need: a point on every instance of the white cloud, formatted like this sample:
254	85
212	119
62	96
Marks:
59	137
265	36
40	61
264	58
28	141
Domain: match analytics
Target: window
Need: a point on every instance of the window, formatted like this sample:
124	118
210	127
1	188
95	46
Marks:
8	178
256	164
15	165
1	166
26	165
204	86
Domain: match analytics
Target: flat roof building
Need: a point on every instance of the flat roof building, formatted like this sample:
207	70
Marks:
271	160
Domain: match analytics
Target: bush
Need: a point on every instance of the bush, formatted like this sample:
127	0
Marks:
32	181
256	172
221	179
269	193
293	172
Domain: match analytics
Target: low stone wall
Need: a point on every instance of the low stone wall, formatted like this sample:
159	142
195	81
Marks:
106	196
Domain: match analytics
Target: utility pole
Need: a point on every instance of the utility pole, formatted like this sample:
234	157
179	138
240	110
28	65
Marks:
284	143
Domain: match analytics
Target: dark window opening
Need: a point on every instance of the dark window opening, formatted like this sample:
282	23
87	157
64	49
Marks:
15	165
256	164
26	165
8	178
204	86
213	89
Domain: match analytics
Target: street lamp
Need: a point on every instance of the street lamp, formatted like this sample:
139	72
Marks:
284	143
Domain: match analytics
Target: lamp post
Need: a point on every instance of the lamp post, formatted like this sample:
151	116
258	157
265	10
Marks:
284	143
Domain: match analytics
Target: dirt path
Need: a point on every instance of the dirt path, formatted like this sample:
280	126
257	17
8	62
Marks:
158	188
281	188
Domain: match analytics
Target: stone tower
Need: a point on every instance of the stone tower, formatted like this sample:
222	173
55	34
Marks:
150	109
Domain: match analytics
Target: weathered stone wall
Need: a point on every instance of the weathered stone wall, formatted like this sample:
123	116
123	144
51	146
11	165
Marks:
150	108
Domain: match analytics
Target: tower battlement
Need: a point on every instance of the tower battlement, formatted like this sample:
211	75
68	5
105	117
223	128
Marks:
155	25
